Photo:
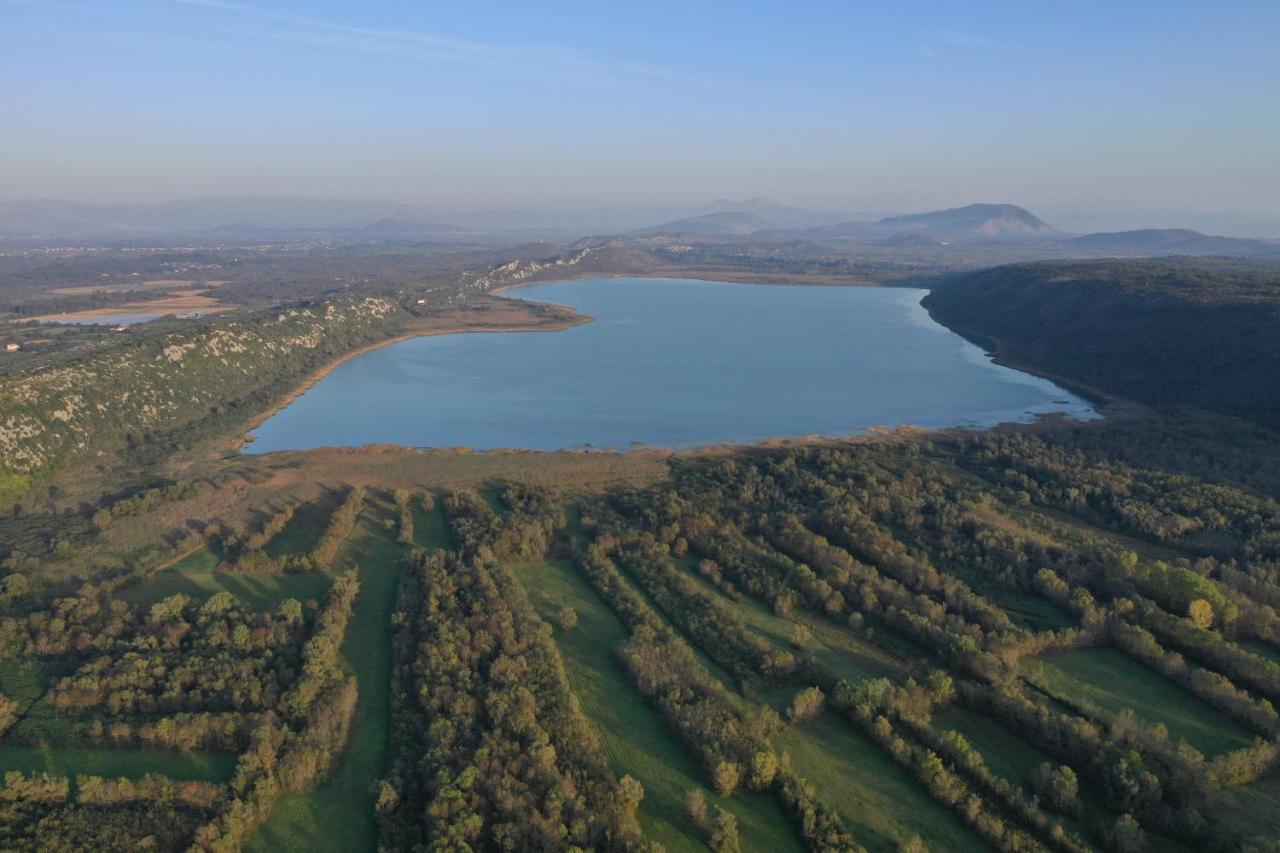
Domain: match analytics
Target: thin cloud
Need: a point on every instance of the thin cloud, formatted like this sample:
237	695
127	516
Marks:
430	46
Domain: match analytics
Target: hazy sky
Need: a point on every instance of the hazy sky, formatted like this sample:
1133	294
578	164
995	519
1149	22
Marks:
865	106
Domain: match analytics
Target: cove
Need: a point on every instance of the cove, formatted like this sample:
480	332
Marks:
671	363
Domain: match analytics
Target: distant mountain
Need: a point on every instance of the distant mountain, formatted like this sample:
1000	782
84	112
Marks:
972	222
1174	241
711	225
777	215
843	231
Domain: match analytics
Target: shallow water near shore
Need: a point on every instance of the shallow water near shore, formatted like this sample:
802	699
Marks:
670	363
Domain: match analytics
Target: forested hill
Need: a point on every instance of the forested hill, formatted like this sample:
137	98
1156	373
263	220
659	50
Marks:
1200	332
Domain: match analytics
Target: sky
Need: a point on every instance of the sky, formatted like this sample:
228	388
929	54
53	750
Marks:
1084	106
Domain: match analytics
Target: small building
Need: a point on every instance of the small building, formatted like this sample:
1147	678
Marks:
12	347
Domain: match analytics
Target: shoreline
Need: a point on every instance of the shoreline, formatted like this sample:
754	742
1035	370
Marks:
1103	405
762	279
315	376
901	432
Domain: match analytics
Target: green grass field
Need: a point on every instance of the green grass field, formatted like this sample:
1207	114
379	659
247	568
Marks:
635	738
304	529
1255	806
26	682
197	577
882	805
1114	681
118	762
338	814
430	529
1262	650
837	649
1004	752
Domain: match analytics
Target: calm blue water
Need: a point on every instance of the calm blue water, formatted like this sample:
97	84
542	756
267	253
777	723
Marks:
671	363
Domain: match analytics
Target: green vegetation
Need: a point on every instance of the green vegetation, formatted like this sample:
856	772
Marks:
1170	332
1004	752
634	739
998	640
880	803
338	813
1056	638
304	529
197	576
158	389
126	763
1114	681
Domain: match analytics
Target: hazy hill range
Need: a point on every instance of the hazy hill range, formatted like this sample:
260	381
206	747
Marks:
778	215
1174	241
711	224
975	222
972	222
962	237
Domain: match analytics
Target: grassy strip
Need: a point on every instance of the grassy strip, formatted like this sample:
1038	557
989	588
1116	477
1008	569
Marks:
879	801
635	739
196	576
119	763
1114	681
338	814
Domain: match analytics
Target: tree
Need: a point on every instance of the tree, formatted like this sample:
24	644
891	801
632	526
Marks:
724	835
1126	836
220	602
725	777
567	618
801	636
388	797
695	806
1200	612
1058	787
806	705
168	608
626	802
291	610
764	766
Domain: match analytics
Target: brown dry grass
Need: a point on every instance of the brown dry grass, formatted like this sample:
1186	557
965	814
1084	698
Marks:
126	286
178	302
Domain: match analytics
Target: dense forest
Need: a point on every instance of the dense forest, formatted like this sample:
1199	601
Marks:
1063	639
1171	332
988	571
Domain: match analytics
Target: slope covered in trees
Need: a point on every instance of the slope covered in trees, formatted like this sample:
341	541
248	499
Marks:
1169	332
798	630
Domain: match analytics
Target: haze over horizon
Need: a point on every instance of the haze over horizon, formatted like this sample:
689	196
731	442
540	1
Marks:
1150	114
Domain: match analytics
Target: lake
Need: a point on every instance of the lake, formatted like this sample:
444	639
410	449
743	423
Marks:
671	363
